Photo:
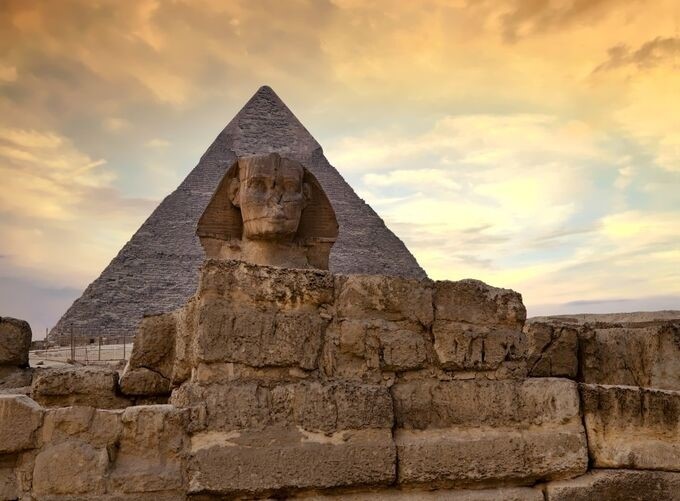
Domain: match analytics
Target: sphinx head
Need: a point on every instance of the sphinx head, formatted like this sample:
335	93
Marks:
271	193
269	210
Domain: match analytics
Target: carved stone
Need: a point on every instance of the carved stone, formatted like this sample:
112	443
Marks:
269	210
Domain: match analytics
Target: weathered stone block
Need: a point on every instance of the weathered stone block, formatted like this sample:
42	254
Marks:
381	297
154	346
283	288
360	349
267	461
313	406
89	386
423	404
468	456
72	467
20	418
149	457
402	350
552	350
143	382
475	302
483	432
96	427
617	485
463	346
14	377
630	427
230	333
8	479
502	494
644	356
15	341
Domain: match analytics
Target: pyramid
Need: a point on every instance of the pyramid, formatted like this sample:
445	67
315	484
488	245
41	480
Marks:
157	270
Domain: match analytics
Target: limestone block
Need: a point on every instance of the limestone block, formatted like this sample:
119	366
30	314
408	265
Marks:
89	386
362	348
187	326
617	485
154	346
501	494
150	453
313	406
426	404
14	377
232	333
402	350
270	460
20	417
458	433
630	427
475	302
552	349
15	341
393	299
282	288
460	456
143	382
8	479
645	356
96	427
464	346
71	467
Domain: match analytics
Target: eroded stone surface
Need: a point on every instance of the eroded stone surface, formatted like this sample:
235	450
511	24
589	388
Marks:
274	288
15	340
631	427
14	378
149	457
617	485
393	299
464	347
20	418
91	386
646	356
273	460
313	406
484	432
72	467
474	302
552	350
502	494
257	338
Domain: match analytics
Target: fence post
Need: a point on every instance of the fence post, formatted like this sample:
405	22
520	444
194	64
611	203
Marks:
73	347
99	355
124	355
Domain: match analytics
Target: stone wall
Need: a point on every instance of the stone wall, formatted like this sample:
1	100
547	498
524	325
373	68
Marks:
274	383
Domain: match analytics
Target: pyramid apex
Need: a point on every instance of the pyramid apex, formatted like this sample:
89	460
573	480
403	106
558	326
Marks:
266	125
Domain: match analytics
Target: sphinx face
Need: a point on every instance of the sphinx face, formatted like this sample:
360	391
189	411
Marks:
272	195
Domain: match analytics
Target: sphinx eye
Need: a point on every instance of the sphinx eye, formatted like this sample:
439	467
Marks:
257	184
291	186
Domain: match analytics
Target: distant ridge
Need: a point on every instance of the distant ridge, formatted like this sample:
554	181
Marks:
157	270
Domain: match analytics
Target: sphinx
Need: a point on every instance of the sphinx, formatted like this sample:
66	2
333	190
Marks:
269	210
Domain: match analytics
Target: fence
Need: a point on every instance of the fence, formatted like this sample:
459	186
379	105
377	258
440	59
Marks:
83	347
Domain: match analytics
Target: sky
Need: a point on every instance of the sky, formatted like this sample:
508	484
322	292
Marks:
532	144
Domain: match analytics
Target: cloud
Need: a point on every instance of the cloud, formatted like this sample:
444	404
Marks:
533	202
524	18
653	53
60	204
